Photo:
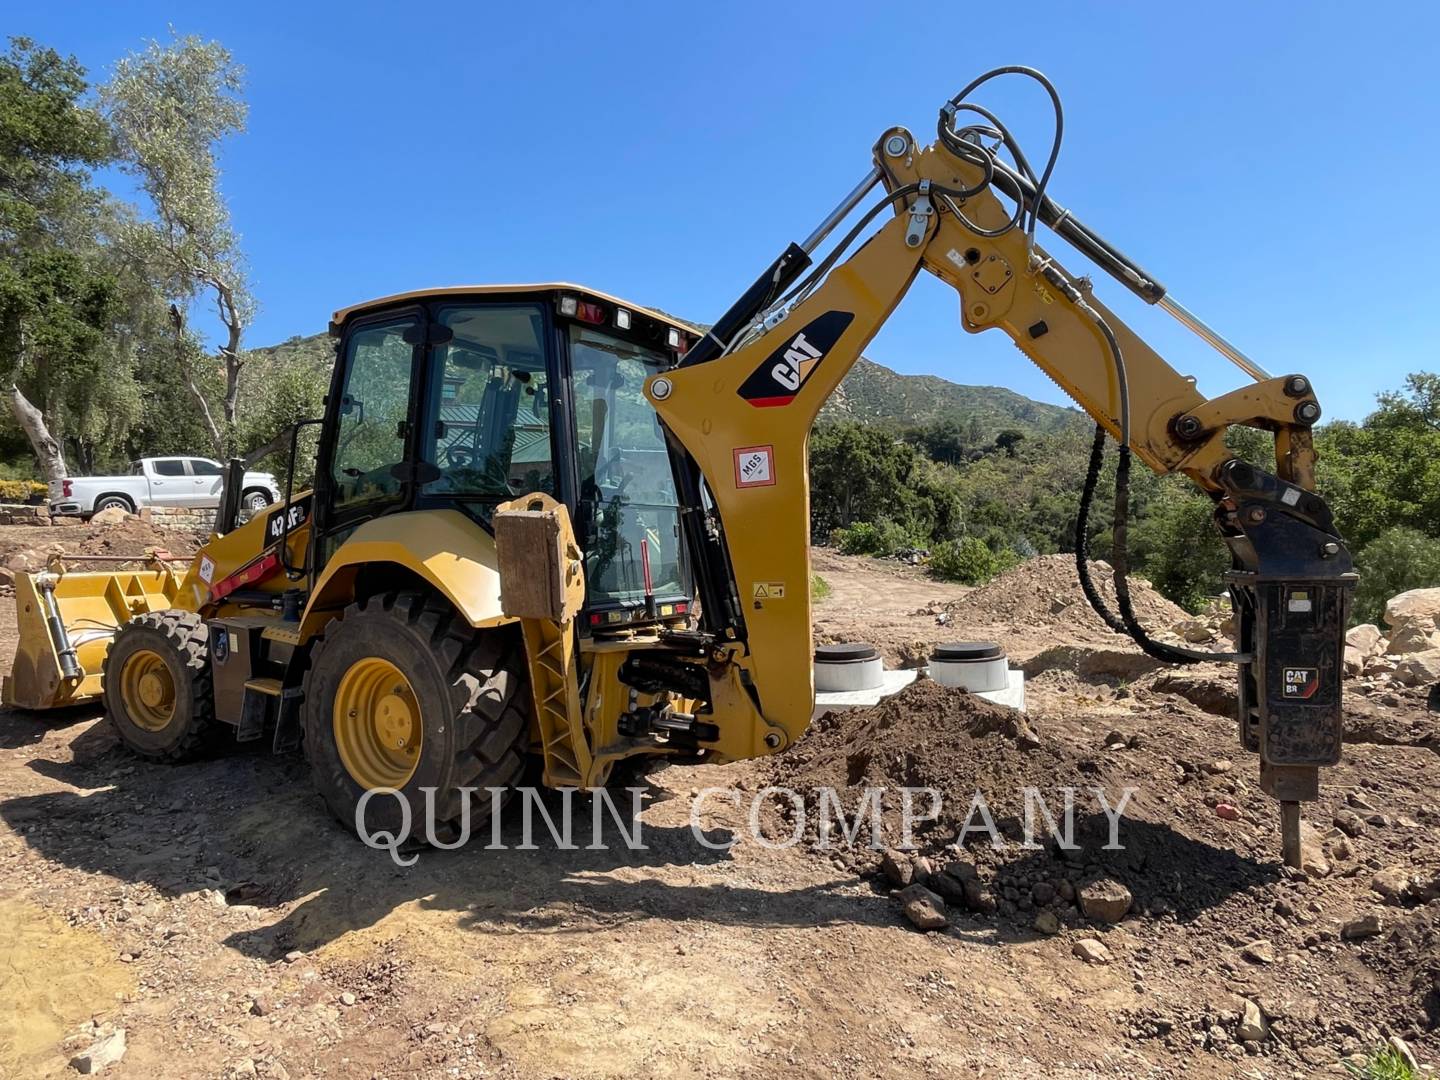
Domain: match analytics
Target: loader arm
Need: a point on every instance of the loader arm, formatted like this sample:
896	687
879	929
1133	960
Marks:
743	408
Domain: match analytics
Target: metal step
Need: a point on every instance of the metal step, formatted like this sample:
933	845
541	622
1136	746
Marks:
271	687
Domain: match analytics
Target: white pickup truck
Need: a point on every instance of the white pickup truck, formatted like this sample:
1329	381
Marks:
159	481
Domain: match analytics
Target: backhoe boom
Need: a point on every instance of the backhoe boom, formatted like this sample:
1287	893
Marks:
744	414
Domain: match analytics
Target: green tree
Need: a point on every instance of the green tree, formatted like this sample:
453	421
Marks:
1386	471
859	472
1008	439
170	107
1177	546
1397	560
57	298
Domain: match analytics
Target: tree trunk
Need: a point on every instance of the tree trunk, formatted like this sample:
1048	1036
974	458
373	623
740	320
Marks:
48	454
217	440
231	350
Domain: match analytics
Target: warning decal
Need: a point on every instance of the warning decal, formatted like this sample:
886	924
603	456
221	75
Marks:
754	466
207	569
768	590
1301	682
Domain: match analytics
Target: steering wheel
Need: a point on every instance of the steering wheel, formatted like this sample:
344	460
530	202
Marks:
460	457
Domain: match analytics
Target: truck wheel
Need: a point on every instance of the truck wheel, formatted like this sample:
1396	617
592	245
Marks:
255	500
105	502
157	685
403	694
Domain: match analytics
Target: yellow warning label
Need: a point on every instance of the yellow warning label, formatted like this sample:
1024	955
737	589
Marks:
769	590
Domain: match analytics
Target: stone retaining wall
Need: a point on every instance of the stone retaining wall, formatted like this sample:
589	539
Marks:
179	517
190	518
24	514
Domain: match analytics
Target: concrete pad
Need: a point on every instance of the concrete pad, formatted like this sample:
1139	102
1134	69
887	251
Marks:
892	683
1012	695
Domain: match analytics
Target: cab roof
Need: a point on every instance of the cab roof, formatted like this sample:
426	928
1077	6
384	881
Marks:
459	291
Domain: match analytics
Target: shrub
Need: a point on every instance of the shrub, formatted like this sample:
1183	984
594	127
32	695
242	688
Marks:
1397	560
883	537
969	561
819	587
19	491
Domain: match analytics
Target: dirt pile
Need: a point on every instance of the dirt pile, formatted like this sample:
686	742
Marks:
1045	592
132	536
961	747
28	549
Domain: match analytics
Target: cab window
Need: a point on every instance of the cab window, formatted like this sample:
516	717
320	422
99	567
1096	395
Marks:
489	437
169	467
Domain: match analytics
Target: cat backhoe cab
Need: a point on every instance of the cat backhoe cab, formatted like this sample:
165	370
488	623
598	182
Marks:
548	522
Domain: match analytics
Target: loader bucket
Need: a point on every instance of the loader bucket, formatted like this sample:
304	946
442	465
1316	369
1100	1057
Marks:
67	621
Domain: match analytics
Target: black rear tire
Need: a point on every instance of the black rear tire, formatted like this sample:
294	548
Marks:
105	502
471	688
180	644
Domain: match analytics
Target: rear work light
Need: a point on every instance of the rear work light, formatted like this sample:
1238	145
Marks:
622	319
568	305
672	338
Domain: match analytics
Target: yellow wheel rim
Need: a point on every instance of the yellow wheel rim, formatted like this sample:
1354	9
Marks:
148	690
377	724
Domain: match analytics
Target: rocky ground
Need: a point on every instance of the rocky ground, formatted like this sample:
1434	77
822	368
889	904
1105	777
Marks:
210	920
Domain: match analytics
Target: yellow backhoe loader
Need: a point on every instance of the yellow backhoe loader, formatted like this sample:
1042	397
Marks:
546	521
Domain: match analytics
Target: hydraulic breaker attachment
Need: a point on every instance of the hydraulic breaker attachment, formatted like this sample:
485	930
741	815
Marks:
1291	599
67	620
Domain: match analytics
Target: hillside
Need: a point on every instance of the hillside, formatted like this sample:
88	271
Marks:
871	392
874	393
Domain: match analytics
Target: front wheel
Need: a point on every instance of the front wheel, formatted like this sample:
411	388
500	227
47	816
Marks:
157	685
404	694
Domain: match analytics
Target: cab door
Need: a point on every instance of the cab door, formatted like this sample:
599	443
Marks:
365	454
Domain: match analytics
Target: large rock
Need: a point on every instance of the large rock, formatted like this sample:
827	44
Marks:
1366	926
1417	604
1105	900
1354	661
897	868
101	1053
1091	951
1413	636
111	515
923	908
1419	669
1392	882
1252	1023
1366	639
1313	862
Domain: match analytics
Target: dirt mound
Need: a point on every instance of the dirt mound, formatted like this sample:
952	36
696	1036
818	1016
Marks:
132	536
28	548
1045	592
929	736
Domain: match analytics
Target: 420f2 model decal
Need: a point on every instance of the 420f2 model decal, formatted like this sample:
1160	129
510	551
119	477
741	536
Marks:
781	375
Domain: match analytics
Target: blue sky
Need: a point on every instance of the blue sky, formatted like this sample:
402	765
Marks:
1273	164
